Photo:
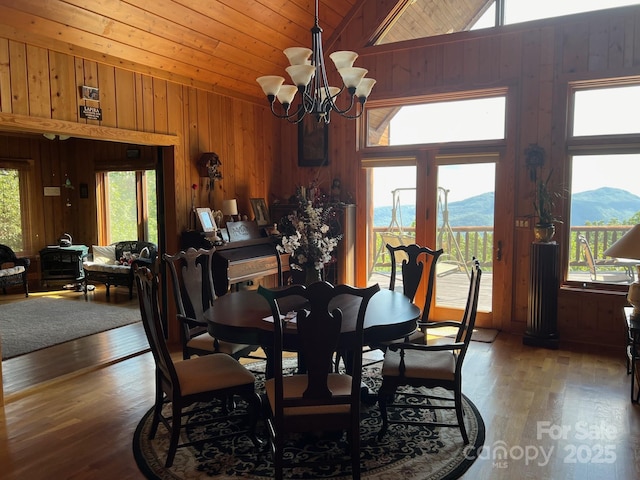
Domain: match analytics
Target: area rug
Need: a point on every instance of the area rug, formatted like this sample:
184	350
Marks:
405	452
40	322
484	335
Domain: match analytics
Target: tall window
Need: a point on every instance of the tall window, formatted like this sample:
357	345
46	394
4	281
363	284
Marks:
13	205
605	194
127	206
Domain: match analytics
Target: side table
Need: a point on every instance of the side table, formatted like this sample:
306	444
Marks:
633	343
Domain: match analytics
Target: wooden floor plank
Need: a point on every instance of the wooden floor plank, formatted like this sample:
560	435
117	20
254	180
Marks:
81	426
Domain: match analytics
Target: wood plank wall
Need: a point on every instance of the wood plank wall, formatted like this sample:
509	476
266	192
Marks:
259	154
535	61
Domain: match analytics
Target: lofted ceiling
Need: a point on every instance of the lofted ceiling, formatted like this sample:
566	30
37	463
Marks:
218	45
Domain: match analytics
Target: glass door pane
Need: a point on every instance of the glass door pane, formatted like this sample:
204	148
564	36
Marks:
393	207
465	225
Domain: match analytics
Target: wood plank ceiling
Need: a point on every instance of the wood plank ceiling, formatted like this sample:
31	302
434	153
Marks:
218	45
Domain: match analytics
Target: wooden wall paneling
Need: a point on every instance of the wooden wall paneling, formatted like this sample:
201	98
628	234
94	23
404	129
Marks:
63	87
80	81
419	73
38	82
160	102
174	175
107	86
86	219
635	45
19	87
125	96
203	119
575	50
616	54
598	44
472	60
401	71
453	63
147	104
5	77
489	51
139	101
510	56
628	41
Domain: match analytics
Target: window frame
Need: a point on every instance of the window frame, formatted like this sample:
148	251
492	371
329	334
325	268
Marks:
25	178
102	202
584	145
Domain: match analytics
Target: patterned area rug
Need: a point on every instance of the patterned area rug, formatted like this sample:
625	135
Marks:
407	452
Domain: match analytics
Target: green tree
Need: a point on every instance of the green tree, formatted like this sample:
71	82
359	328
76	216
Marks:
10	209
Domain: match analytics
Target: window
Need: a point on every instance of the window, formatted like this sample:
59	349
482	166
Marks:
449	121
427	18
127	206
13	204
605	195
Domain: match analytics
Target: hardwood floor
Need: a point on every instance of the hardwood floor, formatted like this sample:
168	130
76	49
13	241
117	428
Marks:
81	426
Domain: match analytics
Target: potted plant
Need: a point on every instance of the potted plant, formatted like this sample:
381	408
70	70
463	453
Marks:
544	206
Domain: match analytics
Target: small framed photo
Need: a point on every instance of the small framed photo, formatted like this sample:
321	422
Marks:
90	93
260	211
313	142
206	220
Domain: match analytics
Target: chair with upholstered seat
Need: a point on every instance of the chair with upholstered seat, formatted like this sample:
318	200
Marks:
185	382
193	289
13	270
417	264
430	366
319	400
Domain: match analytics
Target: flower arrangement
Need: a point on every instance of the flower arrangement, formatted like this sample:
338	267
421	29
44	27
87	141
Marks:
308	236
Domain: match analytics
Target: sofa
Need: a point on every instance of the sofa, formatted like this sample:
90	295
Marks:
13	270
114	264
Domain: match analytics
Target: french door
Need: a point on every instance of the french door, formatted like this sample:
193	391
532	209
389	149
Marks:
441	201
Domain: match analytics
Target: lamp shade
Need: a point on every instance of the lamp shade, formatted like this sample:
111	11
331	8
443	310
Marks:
628	246
230	207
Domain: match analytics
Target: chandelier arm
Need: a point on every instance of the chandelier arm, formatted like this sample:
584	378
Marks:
286	116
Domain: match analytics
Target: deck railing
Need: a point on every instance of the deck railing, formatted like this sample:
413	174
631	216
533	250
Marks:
460	244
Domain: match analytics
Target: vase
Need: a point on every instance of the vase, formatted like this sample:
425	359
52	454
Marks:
543	233
306	276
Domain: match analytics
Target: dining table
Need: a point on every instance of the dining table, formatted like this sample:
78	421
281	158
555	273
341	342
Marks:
245	317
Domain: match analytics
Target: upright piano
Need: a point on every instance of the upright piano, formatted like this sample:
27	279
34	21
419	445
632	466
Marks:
247	255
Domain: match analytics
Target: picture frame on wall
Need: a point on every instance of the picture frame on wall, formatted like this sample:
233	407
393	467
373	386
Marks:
260	211
313	142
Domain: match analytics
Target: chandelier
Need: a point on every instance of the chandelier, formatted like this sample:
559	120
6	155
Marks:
309	76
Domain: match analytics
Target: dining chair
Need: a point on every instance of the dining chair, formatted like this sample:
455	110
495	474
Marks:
199	379
193	290
319	400
430	366
416	263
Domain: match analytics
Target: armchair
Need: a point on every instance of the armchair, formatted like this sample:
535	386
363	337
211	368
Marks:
13	270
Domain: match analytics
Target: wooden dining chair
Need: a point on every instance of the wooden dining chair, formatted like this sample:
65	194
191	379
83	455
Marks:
319	400
199	379
192	280
416	263
420	365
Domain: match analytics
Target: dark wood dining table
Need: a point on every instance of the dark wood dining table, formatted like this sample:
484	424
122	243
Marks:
239	317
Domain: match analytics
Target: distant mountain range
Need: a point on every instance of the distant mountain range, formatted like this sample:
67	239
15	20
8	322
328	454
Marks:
591	206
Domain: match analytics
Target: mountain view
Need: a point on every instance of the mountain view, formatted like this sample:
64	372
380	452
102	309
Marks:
592	206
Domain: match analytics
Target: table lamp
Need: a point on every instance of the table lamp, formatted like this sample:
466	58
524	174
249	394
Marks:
629	247
230	208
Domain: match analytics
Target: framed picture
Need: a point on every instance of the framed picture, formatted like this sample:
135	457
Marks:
206	220
260	211
313	142
84	190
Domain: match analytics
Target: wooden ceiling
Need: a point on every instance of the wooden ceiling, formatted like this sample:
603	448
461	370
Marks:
219	45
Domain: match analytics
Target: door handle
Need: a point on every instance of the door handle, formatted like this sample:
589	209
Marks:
499	250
